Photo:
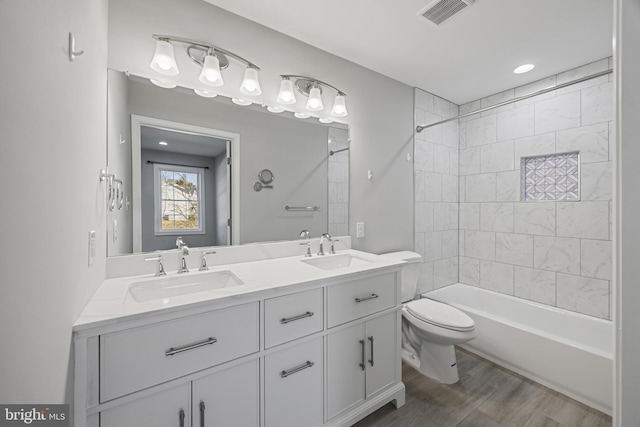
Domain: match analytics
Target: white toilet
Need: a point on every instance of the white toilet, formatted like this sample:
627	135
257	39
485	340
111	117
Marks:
430	328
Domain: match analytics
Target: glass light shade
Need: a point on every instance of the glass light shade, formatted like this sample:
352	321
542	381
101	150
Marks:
205	93
251	85
163	61
163	83
323	120
275	109
210	74
301	115
286	95
339	106
240	101
315	100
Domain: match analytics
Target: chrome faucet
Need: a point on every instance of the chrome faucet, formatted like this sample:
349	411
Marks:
305	233
160	271
203	260
184	251
328	237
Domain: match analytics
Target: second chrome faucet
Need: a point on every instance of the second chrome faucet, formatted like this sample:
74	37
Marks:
183	251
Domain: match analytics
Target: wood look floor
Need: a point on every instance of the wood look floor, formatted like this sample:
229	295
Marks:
487	395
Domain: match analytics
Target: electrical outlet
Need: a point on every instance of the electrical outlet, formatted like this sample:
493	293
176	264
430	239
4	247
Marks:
92	246
359	230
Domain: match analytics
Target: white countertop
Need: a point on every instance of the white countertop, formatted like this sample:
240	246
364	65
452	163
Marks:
112	302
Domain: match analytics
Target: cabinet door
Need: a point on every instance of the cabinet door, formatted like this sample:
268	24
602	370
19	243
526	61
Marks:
168	408
345	372
228	398
381	352
293	386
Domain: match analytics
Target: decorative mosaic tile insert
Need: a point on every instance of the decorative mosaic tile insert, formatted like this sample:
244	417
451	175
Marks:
551	177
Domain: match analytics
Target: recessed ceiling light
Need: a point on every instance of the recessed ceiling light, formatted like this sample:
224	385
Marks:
205	93
163	83
240	101
163	143
524	68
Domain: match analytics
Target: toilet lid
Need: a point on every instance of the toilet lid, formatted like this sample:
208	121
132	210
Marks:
440	314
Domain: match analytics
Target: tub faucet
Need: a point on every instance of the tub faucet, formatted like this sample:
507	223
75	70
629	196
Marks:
183	250
328	237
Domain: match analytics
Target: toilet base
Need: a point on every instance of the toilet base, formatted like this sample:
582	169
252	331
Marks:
435	361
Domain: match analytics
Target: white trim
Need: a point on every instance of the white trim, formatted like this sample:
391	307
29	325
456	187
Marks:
136	197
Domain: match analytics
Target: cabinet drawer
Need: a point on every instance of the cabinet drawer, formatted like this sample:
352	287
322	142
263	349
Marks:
293	386
359	298
292	316
138	358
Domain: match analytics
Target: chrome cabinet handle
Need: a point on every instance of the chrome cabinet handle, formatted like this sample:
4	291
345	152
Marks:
371	360
372	296
285	320
201	413
181	417
172	351
286	373
362	362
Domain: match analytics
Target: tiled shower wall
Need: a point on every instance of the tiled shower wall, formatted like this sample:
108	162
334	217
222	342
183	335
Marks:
556	253
338	177
436	191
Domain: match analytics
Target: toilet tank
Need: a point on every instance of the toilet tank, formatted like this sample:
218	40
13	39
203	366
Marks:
410	272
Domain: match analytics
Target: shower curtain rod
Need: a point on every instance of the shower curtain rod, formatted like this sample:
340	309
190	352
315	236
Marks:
520	98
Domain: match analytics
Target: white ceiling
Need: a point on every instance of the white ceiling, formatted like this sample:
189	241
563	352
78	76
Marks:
466	58
181	142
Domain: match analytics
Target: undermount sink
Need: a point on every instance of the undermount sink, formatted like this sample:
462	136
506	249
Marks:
165	288
334	262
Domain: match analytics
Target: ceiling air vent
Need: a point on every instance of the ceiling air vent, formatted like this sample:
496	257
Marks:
439	11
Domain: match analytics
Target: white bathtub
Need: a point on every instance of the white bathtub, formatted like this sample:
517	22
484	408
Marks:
566	351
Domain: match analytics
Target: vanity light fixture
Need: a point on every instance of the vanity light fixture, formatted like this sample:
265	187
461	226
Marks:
240	101
163	83
212	59
524	68
311	88
301	115
325	121
205	93
275	109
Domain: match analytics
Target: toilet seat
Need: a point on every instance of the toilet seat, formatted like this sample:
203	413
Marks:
440	314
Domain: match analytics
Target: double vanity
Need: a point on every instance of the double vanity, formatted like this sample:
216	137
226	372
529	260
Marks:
274	341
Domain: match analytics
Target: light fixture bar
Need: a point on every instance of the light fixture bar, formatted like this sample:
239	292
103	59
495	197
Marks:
293	76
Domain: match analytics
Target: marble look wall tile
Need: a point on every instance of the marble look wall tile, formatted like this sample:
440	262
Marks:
449	188
423	156
496	99
497	277
343	192
469	271
418	244
450	132
516	123
442	107
508	186
497	157
441	155
583	294
596	181
339	229
449	243
556	254
418	186
514	249
454	162
591	141
432	246
596	258
338	135
338	172
468	108
333	192
583	71
597	104
535	87
496	217
423	100
481	131
425	278
537	145
462	189
339	213
587	220
445	272
480	188
535	218
480	244
470	160
470	216
432	187
442	216
559	113
424	217
432	134
535	285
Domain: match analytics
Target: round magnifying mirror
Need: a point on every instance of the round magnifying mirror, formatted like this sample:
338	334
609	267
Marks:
265	176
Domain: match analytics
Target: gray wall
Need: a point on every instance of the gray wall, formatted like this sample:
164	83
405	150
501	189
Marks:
380	109
627	226
151	242
53	147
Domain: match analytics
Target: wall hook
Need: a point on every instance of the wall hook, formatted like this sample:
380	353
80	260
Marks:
72	48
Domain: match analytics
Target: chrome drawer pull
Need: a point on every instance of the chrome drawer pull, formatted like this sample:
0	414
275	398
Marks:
181	417
201	413
371	360
285	320
372	296
172	351
285	374
362	363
